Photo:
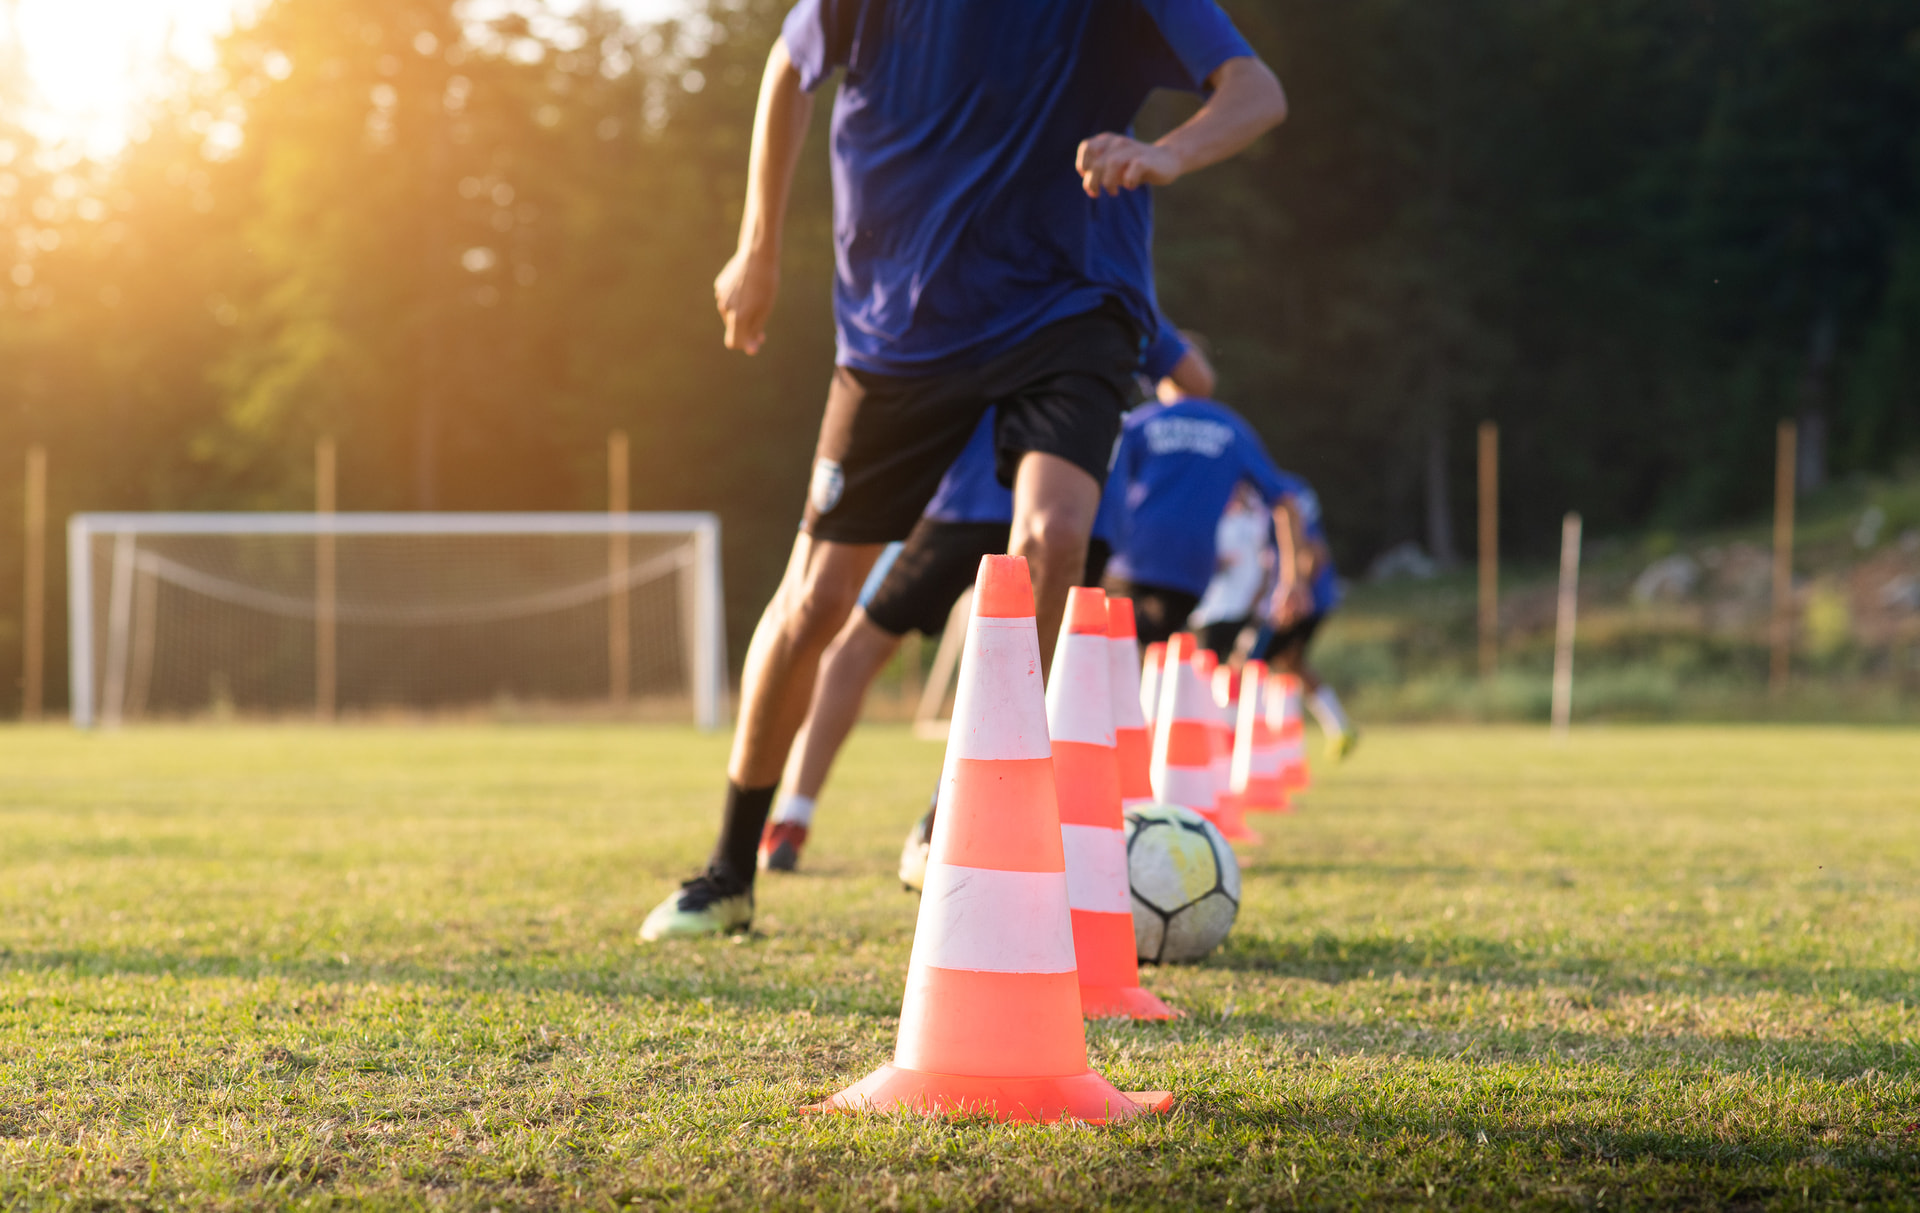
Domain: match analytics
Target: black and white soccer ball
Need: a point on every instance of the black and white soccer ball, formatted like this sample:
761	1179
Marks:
1186	883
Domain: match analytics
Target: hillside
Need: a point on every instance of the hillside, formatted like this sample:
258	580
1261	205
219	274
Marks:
1671	625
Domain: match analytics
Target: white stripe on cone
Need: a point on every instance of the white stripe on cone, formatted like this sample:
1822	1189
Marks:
1096	869
1079	683
1185	696
992	921
1283	703
1124	672
999	713
1150	690
1189	786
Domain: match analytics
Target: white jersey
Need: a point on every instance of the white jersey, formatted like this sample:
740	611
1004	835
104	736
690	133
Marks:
1242	563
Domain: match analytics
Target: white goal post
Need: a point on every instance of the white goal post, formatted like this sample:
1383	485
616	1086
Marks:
177	615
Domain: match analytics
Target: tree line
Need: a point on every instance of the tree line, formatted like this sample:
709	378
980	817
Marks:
1634	232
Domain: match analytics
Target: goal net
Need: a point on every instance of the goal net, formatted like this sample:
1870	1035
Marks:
194	615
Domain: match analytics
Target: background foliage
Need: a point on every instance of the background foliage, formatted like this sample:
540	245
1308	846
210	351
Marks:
1635	232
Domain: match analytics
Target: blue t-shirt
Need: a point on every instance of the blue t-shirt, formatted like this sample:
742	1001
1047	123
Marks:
960	228
971	490
1173	476
1326	585
1164	351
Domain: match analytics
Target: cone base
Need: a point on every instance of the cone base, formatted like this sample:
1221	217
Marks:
1123	1002
1233	828
1226	818
1085	1097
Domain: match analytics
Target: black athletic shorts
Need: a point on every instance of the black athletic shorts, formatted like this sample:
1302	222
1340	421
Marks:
936	565
1299	632
886	440
1158	612
1221	637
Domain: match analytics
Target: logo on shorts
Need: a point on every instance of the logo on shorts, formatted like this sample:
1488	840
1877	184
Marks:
828	483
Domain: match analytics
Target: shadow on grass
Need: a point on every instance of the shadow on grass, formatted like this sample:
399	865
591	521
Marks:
685	977
1660	1168
1334	960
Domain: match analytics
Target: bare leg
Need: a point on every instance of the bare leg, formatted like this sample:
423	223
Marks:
1054	503
817	593
846	671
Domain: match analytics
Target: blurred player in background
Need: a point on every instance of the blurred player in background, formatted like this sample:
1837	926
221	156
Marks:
1180	460
1243	569
1306	592
972	272
1180	465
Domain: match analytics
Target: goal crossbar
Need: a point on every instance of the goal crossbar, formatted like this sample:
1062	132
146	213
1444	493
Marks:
708	656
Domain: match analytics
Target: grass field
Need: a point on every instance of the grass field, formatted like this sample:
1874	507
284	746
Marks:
1671	967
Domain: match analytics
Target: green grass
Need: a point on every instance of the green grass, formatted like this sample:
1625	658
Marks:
395	968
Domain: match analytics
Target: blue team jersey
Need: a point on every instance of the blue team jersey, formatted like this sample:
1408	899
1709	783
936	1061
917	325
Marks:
960	228
1164	351
971	490
1174	473
1326	585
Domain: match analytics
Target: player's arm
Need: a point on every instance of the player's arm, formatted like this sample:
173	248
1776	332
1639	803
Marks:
1193	374
747	284
1299	561
1246	102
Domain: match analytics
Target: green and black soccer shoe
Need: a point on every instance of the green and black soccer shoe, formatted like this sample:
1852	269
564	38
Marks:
705	905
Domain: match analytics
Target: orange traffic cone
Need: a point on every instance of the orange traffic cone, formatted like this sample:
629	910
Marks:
1150	684
1182	771
991	1018
1257	761
1284	704
1227	812
1132	740
1087	773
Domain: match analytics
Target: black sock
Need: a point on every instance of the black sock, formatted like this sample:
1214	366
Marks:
740	827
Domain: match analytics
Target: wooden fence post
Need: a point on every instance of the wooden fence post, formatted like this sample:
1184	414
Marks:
1564	625
1784	463
1489	550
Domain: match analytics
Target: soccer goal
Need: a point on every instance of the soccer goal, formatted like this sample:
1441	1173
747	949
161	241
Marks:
189	615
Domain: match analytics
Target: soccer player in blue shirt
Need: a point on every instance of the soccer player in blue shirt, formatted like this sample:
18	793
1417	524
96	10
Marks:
982	177
969	517
1179	463
1306	592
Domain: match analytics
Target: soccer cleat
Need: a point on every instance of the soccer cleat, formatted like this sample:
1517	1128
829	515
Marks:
1339	745
780	846
704	905
913	856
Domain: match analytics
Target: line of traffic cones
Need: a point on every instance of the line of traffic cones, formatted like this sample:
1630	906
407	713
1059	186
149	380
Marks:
991	1022
1228	812
1086	770
1150	667
1259	760
1132	731
1182	768
1284	713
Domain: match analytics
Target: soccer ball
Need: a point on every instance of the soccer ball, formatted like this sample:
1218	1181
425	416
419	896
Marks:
1186	883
